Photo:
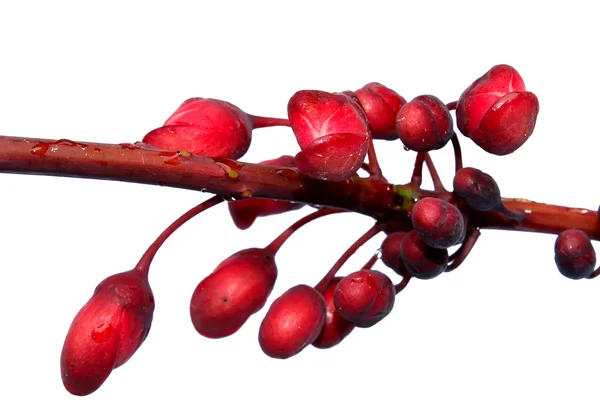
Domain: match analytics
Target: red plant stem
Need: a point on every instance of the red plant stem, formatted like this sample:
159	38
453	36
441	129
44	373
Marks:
285	235
435	177
140	164
458	162
402	285
369	264
265	122
465	248
365	237
595	273
417	176
144	264
374	168
381	200
455	143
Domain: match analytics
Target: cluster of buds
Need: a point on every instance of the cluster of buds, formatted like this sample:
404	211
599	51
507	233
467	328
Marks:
335	133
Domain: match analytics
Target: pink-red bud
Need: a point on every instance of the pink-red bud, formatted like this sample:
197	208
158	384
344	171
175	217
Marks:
239	286
106	331
496	111
381	104
245	211
364	297
331	129
336	328
293	321
205	127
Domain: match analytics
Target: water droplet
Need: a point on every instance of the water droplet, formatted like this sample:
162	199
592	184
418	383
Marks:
289	173
68	142
172	161
102	333
169	157
40	149
378	253
406	148
246	193
228	162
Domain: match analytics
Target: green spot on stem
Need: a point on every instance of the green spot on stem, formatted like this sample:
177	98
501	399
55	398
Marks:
406	197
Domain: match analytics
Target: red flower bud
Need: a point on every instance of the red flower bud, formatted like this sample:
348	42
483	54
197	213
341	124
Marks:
390	253
293	321
424	124
336	328
574	254
331	129
107	331
245	211
236	289
205	127
496	111
421	260
364	297
381	104
439	223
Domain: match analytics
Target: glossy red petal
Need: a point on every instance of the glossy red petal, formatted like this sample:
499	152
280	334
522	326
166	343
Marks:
333	157
508	124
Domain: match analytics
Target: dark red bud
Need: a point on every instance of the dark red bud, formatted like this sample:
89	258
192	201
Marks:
390	253
422	261
438	222
476	188
364	297
336	328
574	254
424	124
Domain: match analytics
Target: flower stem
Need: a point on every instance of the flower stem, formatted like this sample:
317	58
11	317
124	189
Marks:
144	264
365	237
265	122
380	200
285	235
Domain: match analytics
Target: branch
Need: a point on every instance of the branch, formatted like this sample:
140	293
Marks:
232	179
380	200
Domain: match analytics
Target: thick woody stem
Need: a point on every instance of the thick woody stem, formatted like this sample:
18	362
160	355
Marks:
381	200
140	164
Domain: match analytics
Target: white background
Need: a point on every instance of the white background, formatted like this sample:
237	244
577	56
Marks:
504	325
